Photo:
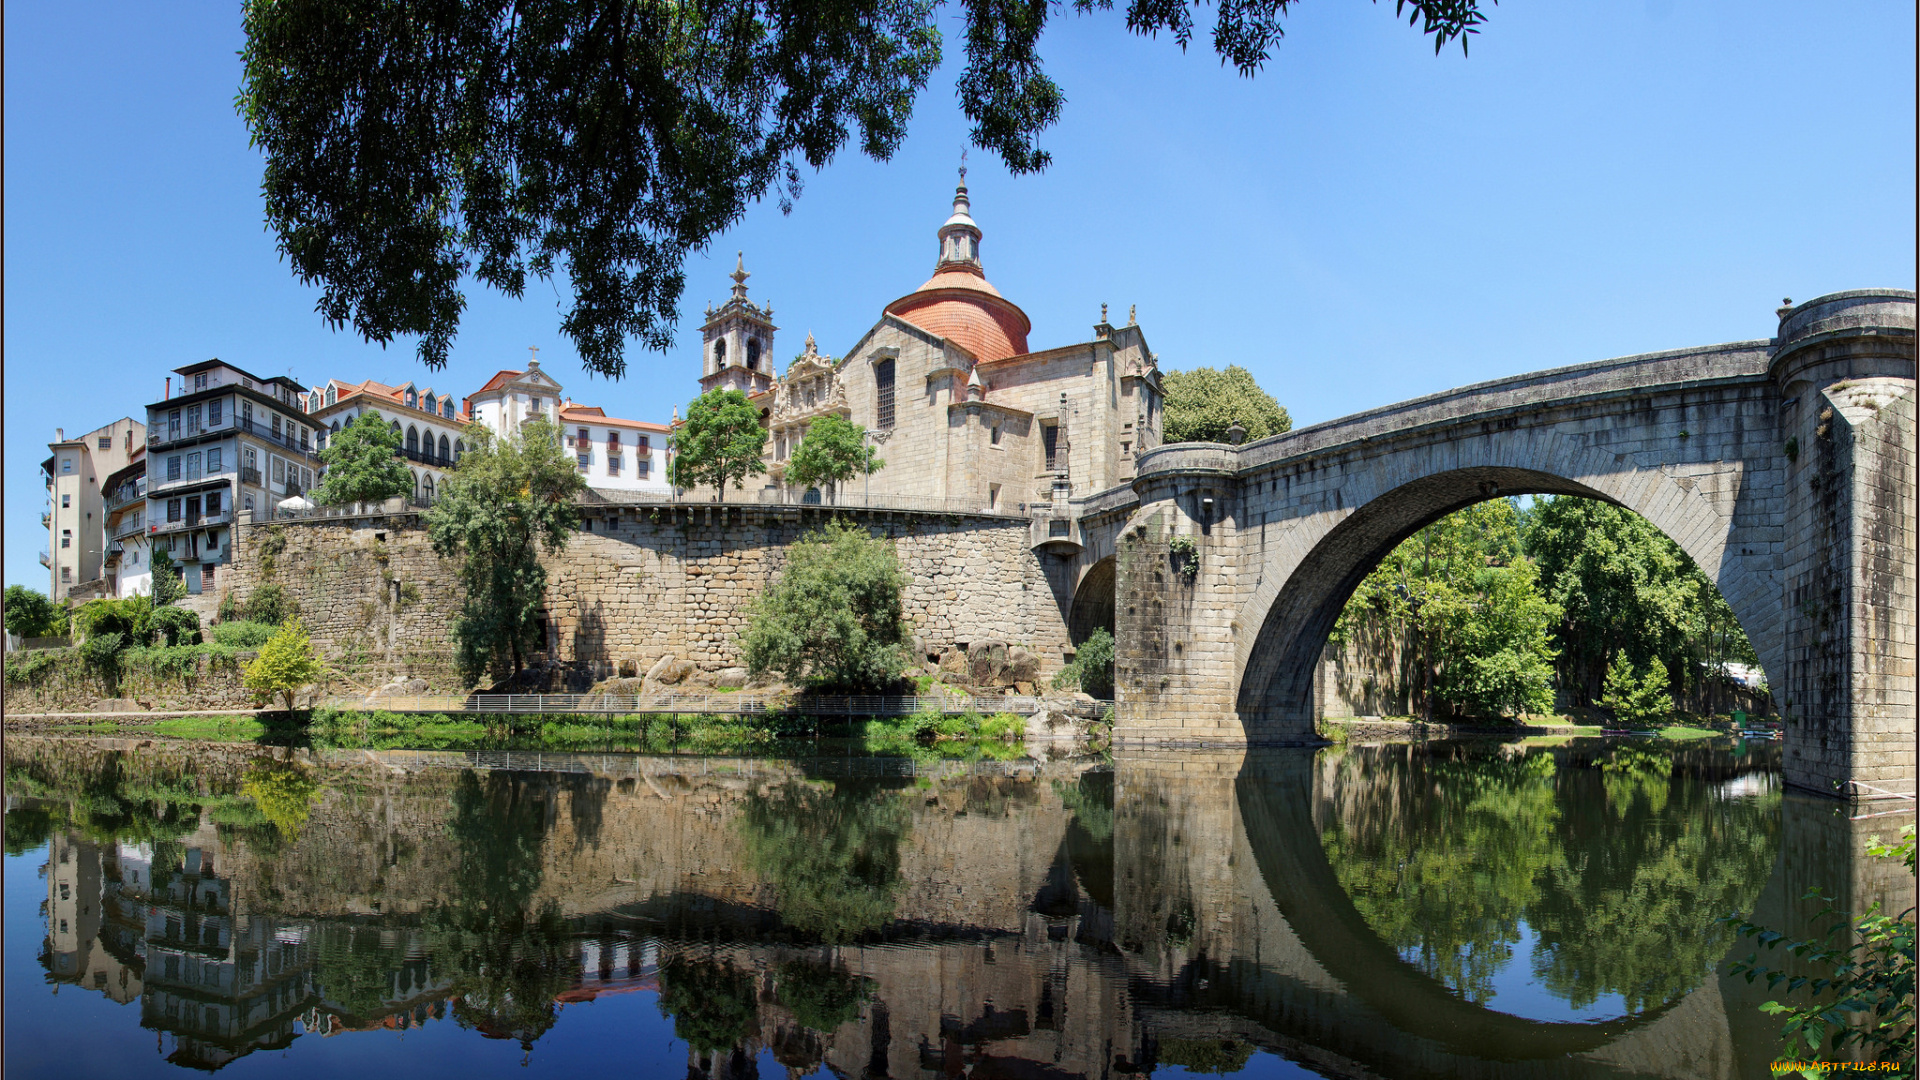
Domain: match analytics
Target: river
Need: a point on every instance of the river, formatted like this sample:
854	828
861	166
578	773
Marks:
1471	908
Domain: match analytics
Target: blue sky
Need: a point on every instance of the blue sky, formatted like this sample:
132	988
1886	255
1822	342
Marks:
1360	223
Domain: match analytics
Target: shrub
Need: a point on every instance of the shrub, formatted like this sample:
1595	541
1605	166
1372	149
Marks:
270	604
833	619
1092	667
31	614
102	653
178	625
131	618
1641	701
242	634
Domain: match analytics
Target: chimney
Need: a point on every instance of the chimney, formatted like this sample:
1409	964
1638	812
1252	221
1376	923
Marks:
169	396
59	434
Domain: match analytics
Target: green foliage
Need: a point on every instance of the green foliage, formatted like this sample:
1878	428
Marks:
29	668
131	618
285	664
506	502
243	634
363	463
1202	403
271	605
1622	584
831	853
1867	1003
415	145
833	452
1092	667
1209	1056
169	581
177	626
1447	853
1461	594
31	614
1639	700
713	1004
721	441
833	619
821	996
284	793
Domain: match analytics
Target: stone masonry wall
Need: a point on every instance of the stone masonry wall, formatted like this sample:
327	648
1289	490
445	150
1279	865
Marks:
637	584
646	583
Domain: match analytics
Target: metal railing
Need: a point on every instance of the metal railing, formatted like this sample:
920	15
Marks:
201	522
125	494
739	704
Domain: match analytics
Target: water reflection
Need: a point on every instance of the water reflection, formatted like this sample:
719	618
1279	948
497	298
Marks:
1450	910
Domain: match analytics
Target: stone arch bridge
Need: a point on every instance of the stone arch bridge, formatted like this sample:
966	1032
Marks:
1784	467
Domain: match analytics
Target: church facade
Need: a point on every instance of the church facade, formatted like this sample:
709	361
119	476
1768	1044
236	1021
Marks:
955	402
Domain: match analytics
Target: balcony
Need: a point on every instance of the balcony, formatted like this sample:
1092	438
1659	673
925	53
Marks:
46	560
250	475
159	487
46	519
435	460
125	494
132	526
203	521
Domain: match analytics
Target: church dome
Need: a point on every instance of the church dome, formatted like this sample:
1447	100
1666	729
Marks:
958	303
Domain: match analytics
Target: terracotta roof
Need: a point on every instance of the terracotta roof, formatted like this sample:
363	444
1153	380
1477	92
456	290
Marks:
391	395
499	380
586	414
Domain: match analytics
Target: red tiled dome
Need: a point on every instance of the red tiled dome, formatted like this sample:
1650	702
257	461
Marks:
964	308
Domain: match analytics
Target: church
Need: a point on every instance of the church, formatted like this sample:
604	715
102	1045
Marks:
964	414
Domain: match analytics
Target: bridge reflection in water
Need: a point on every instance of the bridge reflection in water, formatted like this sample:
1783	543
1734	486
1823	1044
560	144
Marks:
1457	909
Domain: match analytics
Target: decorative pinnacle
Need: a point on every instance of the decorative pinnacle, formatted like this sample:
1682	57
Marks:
740	276
811	351
963	166
1133	318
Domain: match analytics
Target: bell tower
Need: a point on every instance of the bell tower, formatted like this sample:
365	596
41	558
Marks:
736	343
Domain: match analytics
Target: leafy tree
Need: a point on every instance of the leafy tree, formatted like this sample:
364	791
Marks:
285	664
833	618
508	500
411	145
363	463
1201	404
720	440
1641	700
713	1004
1092	667
822	996
31	614
833	452
131	618
1463	602
169	585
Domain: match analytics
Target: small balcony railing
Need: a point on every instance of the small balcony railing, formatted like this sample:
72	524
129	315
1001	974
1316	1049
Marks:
129	527
125	494
250	475
189	522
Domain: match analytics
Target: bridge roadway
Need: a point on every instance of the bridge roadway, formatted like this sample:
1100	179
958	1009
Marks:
1784	467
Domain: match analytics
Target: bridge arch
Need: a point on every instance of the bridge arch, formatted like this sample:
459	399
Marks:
1093	601
1303	593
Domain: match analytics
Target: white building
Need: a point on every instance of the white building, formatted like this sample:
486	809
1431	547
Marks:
432	430
613	454
75	515
128	566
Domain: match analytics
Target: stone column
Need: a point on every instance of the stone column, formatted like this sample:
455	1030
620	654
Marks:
1845	366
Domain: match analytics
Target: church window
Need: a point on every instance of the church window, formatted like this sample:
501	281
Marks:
1050	441
994	435
753	354
720	353
443	450
883	394
413	440
459	449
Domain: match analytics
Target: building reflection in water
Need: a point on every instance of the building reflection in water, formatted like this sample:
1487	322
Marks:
1068	918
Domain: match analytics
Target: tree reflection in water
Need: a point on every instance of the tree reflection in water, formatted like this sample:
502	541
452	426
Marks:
1616	860
831	851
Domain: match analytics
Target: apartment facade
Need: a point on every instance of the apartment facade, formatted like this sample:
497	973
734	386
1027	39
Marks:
127	568
228	440
75	515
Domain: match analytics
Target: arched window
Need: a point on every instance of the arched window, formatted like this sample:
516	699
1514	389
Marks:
720	353
429	484
396	427
753	354
443	450
413	439
333	395
459	450
336	427
416	487
446	408
428	403
413	400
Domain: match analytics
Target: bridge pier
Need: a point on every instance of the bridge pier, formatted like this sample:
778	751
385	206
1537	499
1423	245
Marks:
1784	467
